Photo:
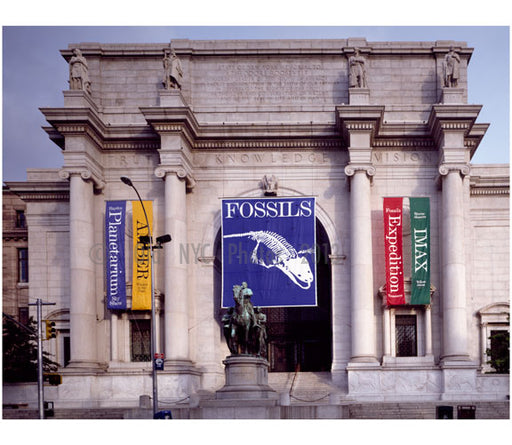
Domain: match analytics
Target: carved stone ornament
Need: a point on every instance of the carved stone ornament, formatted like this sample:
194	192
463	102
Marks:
270	185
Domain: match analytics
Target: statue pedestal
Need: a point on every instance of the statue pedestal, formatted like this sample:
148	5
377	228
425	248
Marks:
452	96
359	96
172	98
246	378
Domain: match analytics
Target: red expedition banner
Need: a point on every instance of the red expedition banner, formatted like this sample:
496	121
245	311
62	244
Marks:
393	249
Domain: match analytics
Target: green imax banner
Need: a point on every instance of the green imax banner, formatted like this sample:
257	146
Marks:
420	237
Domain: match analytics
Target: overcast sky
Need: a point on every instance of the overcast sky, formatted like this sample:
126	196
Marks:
35	74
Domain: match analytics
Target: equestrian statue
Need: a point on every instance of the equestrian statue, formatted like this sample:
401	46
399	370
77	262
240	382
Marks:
244	325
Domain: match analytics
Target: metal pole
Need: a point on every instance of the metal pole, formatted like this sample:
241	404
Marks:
153	330
127	181
40	387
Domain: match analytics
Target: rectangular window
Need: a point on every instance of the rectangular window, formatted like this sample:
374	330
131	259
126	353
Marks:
21	221
140	333
23	265
23	315
406	336
67	350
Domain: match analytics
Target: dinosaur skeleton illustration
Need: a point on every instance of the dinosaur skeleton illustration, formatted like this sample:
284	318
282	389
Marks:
292	263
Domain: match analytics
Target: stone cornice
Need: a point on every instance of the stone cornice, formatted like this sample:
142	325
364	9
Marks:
453	118
40	191
489	185
322	47
70	121
359	118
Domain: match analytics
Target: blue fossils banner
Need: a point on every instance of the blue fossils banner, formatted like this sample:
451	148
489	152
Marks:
269	243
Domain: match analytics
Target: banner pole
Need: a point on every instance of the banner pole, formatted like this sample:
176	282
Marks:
128	182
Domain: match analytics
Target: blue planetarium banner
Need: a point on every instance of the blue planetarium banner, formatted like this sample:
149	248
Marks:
269	243
115	215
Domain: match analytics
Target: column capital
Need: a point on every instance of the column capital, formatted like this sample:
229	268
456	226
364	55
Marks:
163	170
463	169
351	169
85	173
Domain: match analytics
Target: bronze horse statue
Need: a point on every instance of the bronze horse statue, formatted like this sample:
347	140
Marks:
242	319
244	325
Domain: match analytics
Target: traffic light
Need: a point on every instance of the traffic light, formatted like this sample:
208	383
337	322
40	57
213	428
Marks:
50	329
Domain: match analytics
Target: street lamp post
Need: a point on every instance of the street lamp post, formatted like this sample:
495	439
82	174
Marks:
166	238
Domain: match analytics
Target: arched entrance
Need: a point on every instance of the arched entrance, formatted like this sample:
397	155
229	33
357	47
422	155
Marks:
299	338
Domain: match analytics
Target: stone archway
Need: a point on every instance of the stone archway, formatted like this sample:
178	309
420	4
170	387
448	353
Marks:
299	338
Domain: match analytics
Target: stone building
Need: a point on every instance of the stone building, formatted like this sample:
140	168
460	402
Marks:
346	121
14	257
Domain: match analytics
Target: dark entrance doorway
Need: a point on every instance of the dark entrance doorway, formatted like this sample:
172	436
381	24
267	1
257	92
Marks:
299	338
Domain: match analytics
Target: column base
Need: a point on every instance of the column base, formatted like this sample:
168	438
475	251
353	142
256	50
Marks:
363	360
456	361
80	366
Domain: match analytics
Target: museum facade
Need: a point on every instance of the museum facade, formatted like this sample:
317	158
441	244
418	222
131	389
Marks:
347	122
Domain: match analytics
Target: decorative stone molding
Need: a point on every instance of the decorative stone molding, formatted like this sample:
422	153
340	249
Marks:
85	173
337	260
269	144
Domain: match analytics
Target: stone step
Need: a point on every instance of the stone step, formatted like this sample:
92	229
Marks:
306	387
379	410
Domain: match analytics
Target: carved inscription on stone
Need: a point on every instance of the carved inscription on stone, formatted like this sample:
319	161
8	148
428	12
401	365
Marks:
402	157
259	82
131	160
268	158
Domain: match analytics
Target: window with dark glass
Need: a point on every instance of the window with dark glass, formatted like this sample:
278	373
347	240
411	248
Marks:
406	336
23	265
21	221
23	315
140	340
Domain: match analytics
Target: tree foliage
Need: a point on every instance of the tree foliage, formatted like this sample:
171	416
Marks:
20	352
499	352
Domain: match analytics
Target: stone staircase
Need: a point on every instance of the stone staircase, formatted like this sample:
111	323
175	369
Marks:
348	410
306	387
312	396
425	410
